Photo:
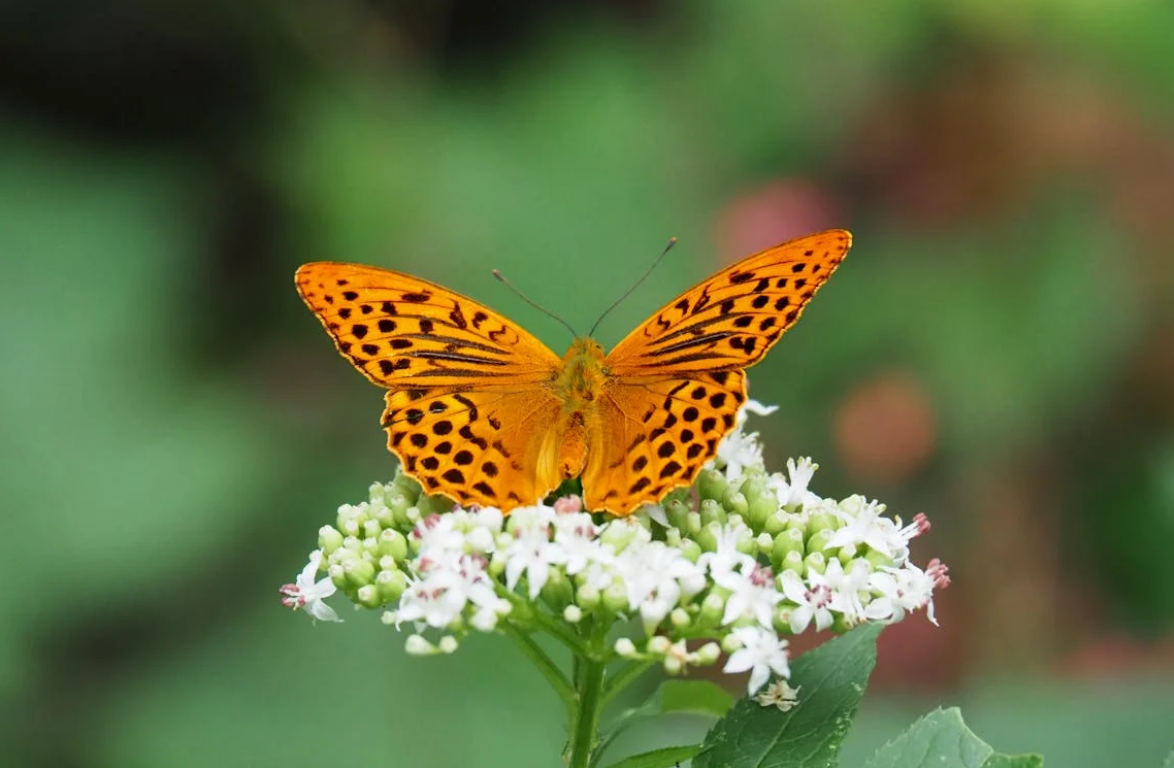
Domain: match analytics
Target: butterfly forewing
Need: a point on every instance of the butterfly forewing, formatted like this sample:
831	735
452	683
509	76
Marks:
729	321
400	330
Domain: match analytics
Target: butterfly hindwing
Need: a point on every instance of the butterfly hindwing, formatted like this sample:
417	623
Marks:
477	446
729	321
655	435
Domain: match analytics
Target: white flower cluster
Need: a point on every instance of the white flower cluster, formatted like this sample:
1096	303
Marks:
742	560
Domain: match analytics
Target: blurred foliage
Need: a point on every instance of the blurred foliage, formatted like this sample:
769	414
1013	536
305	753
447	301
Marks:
996	351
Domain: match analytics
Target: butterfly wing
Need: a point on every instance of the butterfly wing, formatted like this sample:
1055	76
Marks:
677	381
469	391
729	321
655	435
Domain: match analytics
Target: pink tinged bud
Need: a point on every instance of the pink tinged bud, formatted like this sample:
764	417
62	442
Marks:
568	505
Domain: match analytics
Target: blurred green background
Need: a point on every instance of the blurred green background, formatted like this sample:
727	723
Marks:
997	351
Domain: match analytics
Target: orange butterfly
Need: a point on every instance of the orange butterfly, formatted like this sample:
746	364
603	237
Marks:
482	412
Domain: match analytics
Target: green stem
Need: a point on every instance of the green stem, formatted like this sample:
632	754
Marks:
585	718
545	665
621	679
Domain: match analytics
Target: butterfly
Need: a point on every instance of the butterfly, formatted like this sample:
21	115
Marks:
479	410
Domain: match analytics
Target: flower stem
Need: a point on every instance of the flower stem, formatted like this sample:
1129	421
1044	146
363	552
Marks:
621	679
585	718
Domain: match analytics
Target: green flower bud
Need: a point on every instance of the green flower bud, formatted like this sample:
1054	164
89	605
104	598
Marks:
557	589
706	538
368	596
760	510
693	523
877	559
407	519
819	540
394	544
731	643
711	484
764	543
847	554
712	512
707	654
776	522
784	544
417	645
680	618
815	561
735	503
793	561
781	620
677	512
615	598
712	609
821	519
391	585
672	537
380	514
572	614
672	665
587	597
659	645
625	648
690	550
434	505
620	533
329	539
448	644
841	624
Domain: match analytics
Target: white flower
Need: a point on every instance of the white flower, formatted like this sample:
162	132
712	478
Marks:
758	409
726	559
655	577
532	552
900	590
846	586
439	596
810	603
309	595
762	652
869	526
752	594
794	492
779	694
737	451
577	534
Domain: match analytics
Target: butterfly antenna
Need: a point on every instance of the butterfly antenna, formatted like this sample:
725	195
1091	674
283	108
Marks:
616	303
533	303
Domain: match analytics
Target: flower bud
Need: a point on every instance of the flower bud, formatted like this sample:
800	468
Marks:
394	544
572	614
417	645
368	596
680	618
764	543
712	512
587	597
788	541
448	644
677	512
847	554
877	559
819	540
690	550
760	510
815	561
821	519
434	505
793	561
557	589
615	598
625	648
707	654
711	484
776	522
659	645
736	504
693	523
329	539
713	607
391	585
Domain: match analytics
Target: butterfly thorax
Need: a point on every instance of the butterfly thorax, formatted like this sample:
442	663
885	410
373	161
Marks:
581	376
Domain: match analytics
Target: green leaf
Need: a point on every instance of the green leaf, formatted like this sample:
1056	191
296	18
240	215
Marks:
831	681
1169	763
1014	761
659	758
697	697
939	739
684	697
